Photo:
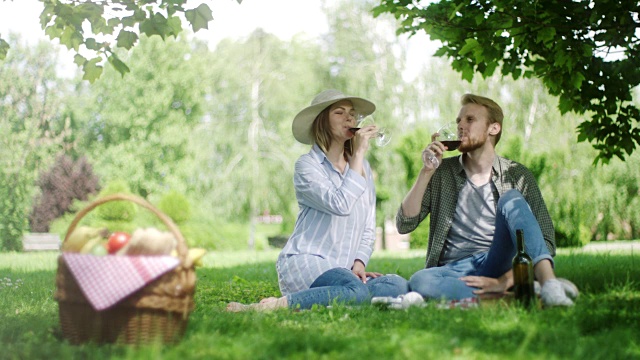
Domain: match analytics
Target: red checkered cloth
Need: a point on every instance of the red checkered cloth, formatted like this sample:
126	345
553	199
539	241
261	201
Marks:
105	280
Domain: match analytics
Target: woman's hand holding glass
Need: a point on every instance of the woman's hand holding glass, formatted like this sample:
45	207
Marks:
362	136
382	135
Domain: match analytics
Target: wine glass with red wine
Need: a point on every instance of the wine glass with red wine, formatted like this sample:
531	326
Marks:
448	136
383	136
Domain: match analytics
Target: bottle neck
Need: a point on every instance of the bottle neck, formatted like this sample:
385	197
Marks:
520	241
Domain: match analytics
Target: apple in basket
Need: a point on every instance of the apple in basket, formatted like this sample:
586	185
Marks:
117	241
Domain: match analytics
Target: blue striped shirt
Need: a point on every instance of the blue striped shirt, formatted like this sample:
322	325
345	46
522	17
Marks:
335	224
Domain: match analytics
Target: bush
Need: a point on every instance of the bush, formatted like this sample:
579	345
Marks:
117	211
176	206
13	214
419	238
66	181
215	235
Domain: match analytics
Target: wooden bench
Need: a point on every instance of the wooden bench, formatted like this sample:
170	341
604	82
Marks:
41	242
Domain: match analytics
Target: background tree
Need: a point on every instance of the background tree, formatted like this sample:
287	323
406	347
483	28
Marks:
139	130
65	182
366	59
585	52
33	127
245	143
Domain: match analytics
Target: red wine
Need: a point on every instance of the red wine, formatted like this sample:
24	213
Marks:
451	144
523	274
353	130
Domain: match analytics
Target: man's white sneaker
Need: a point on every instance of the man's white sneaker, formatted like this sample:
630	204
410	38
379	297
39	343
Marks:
553	293
570	289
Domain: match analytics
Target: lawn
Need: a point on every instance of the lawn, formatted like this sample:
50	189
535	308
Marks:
604	324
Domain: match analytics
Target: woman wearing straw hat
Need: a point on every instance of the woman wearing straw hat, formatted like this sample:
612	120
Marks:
324	260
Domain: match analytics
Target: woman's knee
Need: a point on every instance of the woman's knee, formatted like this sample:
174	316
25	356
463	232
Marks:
389	285
359	292
397	283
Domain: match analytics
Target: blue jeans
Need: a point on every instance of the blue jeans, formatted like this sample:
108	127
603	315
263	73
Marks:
513	213
343	286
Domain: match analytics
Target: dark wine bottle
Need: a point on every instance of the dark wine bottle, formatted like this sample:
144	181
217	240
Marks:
523	274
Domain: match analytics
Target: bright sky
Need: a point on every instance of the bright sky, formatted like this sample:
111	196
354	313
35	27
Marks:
231	20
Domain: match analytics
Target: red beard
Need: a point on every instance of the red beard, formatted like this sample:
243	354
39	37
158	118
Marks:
470	144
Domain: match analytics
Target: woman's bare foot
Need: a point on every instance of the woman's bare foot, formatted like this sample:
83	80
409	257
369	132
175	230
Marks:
269	299
237	307
268	304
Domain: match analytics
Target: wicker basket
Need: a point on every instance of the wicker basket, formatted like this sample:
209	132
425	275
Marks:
157	312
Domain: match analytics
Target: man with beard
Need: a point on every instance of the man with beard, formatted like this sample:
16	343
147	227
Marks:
477	201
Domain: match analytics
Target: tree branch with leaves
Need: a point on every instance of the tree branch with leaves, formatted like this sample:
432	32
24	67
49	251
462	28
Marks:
95	29
585	53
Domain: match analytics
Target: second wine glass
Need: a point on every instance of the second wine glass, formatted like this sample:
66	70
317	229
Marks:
448	136
383	136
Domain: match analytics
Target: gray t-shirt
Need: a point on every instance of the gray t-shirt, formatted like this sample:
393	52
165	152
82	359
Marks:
473	222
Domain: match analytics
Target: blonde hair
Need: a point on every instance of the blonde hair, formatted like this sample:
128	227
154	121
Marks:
493	109
321	133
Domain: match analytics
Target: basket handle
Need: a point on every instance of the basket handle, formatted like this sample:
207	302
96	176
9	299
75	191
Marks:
181	246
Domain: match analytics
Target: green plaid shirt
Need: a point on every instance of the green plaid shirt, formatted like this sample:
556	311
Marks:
441	197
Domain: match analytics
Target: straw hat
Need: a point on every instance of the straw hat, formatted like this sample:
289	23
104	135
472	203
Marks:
301	126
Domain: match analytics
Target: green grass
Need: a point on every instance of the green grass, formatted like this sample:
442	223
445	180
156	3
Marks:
604	324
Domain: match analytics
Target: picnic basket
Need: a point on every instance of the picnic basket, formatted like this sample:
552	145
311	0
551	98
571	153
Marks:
157	312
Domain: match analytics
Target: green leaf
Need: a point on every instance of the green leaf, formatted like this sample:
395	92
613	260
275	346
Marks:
126	39
139	15
93	12
120	66
129	21
92	70
576	79
64	11
4	49
470	45
560	58
91	44
582	136
91	9
564	105
71	38
454	13
46	15
79	60
467	73
113	22
515	73
491	68
199	17
156	25
53	32
546	35
175	24
100	26
442	51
